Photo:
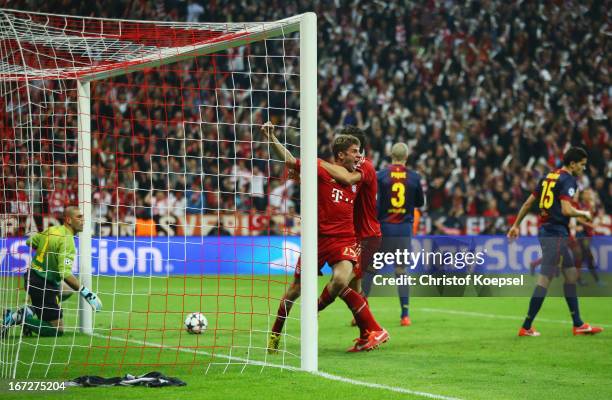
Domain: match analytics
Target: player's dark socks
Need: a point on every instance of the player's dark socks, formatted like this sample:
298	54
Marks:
537	298
593	271
403	293
404	305
366	283
361	311
42	328
325	299
281	315
569	290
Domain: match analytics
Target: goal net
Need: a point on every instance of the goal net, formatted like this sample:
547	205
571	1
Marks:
153	130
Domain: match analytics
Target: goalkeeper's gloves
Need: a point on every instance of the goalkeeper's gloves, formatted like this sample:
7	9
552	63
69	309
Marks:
91	298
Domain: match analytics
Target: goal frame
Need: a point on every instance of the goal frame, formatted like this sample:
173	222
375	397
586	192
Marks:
306	24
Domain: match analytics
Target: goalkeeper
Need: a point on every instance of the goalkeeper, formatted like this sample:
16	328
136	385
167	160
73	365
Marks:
49	279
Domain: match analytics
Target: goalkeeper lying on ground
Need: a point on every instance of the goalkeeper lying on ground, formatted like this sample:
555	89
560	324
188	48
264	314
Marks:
49	279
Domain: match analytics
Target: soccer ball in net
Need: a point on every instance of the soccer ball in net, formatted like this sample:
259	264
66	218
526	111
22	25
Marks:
196	323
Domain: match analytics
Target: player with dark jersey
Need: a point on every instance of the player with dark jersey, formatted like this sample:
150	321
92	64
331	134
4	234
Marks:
553	197
399	193
572	244
336	244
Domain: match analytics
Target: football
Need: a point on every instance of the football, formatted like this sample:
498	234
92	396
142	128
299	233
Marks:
196	323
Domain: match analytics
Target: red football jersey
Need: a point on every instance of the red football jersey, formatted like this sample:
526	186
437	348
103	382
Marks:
365	214
335	205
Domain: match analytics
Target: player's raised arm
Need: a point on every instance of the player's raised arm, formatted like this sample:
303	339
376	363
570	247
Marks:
341	174
281	151
514	230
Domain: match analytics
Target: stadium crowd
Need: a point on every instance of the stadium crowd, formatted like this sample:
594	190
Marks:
487	94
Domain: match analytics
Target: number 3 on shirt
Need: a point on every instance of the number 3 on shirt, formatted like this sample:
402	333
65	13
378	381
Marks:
399	199
547	197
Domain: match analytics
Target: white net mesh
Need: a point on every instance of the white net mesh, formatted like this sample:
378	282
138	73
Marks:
189	212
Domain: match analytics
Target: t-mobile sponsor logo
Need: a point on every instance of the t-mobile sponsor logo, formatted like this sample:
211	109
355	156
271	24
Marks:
338	197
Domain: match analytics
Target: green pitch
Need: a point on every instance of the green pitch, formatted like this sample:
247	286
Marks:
462	348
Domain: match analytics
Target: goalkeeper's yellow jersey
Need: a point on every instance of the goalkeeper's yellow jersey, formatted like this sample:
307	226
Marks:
55	253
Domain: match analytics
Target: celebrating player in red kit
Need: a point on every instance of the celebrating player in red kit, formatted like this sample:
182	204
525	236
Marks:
336	244
367	227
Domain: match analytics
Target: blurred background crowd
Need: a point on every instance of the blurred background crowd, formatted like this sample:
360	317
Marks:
487	94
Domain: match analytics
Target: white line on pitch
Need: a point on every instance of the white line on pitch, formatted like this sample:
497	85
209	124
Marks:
497	316
201	352
321	374
377	386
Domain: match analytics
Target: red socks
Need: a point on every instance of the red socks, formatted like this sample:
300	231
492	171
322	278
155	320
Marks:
361	311
358	306
281	315
325	299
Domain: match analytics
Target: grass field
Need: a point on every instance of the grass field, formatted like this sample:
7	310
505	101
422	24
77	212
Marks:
462	348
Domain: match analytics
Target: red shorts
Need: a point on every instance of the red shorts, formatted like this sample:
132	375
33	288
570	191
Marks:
332	251
366	249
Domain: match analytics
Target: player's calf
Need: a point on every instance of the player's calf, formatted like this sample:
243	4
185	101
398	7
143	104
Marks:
341	277
284	307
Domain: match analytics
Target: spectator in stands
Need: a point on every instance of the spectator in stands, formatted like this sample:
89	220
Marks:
281	195
258	195
195	199
194	10
160	204
219	230
487	96
101	202
58	199
491	210
453	223
178	206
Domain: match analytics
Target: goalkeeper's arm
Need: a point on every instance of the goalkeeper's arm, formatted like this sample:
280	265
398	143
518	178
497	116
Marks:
65	262
84	291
